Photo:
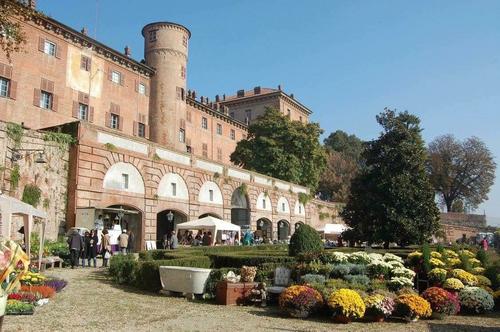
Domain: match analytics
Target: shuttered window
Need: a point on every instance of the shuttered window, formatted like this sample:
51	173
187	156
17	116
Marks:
81	108
85	63
8	87
205	150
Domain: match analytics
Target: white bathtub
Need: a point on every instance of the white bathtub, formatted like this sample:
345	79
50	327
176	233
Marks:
188	280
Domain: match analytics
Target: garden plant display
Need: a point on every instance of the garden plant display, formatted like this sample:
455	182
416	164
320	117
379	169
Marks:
15	307
32	278
57	284
476	300
468	279
453	284
378	307
346	305
44	292
437	276
300	301
441	301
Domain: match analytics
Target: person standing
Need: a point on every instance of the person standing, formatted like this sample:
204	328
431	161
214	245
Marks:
75	243
131	239
123	241
83	252
174	242
99	223
106	248
484	243
91	247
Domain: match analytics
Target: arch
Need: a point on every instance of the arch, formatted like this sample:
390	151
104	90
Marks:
264	229
209	214
264	202
240	212
299	209
172	185
124	215
166	221
210	193
297	224
283	230
125	177
283	206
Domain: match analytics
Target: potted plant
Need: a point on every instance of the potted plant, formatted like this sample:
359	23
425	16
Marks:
378	307
437	276
475	300
13	265
443	303
411	307
300	301
346	305
453	285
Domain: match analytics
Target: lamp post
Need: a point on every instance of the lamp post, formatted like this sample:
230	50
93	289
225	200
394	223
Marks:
170	219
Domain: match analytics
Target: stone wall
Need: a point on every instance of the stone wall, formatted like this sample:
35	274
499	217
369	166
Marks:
51	177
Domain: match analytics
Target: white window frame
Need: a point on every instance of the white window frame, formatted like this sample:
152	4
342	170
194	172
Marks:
116	76
83	111
142	88
219	129
49	48
4	87
114	121
182	135
46	100
233	134
204	123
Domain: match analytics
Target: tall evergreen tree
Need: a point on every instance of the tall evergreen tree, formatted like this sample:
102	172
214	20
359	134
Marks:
392	199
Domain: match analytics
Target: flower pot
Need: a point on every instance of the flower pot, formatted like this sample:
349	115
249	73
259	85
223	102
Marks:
297	313
438	315
341	319
411	319
378	319
3	305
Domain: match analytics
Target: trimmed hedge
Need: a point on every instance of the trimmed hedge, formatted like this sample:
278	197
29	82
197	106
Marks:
305	239
237	260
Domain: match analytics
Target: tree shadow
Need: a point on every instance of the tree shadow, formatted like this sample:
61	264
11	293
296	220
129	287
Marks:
433	327
102	276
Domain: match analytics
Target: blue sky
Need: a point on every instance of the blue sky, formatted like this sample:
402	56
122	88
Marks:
346	60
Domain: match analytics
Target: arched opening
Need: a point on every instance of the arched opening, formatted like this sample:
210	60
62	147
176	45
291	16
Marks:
120	217
240	213
283	230
264	230
124	177
165	224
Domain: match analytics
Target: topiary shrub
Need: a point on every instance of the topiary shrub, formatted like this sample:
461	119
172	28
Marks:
305	239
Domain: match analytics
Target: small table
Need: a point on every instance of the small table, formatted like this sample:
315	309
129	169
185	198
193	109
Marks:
50	262
233	293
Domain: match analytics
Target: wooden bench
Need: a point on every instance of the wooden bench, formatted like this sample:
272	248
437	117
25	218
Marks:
50	262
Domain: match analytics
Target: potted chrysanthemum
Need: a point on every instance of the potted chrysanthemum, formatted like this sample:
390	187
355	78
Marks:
346	305
475	300
300	301
412	307
443	303
378	307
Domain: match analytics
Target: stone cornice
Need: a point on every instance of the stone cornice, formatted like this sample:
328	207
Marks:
77	38
196	104
170	51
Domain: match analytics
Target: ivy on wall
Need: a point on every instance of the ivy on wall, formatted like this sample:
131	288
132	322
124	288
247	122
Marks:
15	176
61	139
110	146
31	194
304	198
15	132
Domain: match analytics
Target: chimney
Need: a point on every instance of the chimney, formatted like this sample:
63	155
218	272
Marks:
189	93
279	87
202	99
128	52
291	95
224	97
256	90
217	99
32	4
84	31
194	94
240	93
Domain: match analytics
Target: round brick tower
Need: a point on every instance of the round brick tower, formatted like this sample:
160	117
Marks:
166	50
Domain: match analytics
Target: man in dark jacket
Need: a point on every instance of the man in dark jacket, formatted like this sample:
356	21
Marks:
75	242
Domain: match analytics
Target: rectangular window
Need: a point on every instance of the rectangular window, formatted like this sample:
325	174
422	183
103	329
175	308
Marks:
289	113
46	100
205	150
152	36
300	209
116	77
174	189
49	48
219	154
114	121
219	129
85	63
141	129
233	134
142	89
182	135
185	41
83	112
263	203
125	181
283	207
204	123
179	93
4	87
211	195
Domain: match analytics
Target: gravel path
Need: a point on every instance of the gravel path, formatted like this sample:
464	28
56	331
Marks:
91	303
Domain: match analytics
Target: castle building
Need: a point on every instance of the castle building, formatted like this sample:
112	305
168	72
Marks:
150	152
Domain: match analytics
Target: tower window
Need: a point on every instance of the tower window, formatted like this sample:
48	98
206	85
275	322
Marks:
46	100
152	36
4	87
183	72
185	41
125	181
204	123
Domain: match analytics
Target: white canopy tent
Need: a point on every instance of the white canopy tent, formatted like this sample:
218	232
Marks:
210	223
10	206
333	229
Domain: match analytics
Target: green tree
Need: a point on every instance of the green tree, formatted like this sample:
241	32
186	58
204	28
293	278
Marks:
462	173
12	36
392	199
287	150
348	145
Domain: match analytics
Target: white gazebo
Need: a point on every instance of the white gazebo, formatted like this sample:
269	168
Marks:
10	206
333	229
210	223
